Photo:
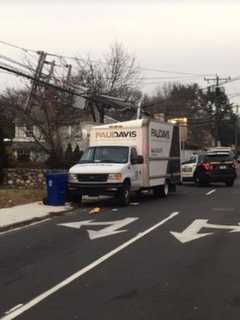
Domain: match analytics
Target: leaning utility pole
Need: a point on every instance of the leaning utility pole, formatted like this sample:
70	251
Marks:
37	75
52	65
217	84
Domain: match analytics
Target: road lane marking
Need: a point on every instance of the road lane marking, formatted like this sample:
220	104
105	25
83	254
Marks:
111	229
192	232
210	192
14	308
84	270
24	227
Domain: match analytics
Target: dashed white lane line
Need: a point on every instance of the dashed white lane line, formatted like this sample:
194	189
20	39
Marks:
210	192
81	272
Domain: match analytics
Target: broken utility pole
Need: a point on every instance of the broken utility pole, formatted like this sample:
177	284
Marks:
37	76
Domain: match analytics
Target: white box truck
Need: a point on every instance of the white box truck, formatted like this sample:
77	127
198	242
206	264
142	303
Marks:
128	156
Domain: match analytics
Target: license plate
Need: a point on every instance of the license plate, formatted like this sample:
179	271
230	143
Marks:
222	167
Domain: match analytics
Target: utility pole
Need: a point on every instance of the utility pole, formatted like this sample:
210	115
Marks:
69	73
236	129
52	66
66	84
217	84
139	108
37	75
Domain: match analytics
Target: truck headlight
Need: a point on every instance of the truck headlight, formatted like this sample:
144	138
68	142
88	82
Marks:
115	176
72	177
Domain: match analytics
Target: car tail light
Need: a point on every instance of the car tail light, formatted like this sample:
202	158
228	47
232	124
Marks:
206	166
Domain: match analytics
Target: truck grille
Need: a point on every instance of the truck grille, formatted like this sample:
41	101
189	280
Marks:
92	177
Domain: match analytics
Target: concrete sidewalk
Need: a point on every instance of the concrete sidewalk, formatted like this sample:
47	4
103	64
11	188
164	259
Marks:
24	214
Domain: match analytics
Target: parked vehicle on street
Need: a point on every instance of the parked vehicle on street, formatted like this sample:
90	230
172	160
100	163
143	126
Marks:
216	165
188	167
128	156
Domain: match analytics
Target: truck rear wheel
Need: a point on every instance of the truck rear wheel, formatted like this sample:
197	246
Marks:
164	190
161	191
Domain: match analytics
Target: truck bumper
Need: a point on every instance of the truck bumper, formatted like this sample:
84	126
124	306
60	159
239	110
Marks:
94	189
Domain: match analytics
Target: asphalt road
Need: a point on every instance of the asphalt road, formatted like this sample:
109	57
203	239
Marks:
176	258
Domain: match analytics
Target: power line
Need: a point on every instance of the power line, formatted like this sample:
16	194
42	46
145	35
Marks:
17	47
234	95
82	60
15	62
167	80
177	72
230	80
27	50
176	77
30	77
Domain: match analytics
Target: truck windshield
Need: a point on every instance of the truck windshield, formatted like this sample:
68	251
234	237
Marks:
105	155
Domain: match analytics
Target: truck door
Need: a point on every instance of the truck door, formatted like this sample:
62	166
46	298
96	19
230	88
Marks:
136	170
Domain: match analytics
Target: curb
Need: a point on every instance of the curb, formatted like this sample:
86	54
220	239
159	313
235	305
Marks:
32	220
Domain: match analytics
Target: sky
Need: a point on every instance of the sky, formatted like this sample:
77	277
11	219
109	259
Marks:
197	37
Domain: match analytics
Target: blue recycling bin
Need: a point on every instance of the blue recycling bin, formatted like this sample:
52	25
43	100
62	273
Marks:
56	182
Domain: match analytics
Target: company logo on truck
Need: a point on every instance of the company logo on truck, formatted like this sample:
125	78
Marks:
116	134
160	133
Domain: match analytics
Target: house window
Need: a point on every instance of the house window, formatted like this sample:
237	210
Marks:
23	155
29	131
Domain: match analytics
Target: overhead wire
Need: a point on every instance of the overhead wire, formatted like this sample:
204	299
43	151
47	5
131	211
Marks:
15	62
17	47
183	73
30	77
177	72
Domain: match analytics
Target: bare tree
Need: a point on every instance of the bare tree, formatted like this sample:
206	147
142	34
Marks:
49	108
116	75
51	111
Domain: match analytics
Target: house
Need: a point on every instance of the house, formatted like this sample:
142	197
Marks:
25	147
70	125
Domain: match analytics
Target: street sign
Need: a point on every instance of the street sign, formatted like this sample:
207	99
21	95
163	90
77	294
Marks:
192	232
111	229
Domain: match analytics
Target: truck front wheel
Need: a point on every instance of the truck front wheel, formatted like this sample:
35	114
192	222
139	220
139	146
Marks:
75	198
124	194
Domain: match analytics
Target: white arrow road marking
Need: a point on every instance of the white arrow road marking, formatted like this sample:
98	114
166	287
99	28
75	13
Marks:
84	270
105	232
191	232
210	192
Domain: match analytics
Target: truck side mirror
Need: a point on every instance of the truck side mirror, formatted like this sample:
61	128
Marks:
140	160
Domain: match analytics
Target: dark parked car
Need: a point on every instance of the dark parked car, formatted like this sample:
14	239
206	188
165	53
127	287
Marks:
218	165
